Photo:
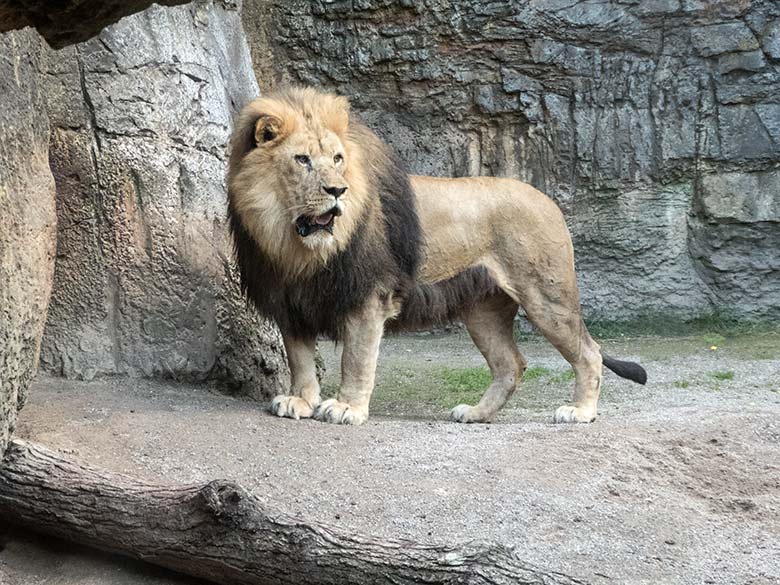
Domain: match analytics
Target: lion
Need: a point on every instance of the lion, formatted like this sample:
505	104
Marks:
333	238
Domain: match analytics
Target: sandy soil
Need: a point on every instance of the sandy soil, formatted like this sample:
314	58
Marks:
677	482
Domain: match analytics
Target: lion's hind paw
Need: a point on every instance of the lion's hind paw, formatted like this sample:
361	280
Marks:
333	411
574	414
463	413
291	407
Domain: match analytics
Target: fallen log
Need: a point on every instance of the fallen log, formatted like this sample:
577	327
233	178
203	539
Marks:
219	531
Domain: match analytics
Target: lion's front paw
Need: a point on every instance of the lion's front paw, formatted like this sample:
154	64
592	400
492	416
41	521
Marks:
291	407
463	413
333	411
574	414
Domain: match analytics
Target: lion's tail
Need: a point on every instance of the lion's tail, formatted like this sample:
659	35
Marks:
628	370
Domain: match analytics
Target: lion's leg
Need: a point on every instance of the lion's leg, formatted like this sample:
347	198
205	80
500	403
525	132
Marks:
304	387
561	323
362	336
490	325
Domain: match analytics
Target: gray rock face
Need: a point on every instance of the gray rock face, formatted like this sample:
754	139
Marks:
772	40
727	37
655	125
144	282
27	220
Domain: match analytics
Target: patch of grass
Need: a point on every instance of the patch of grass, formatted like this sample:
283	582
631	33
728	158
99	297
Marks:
535	373
407	390
729	375
682	384
460	380
713	340
764	346
713	328
465	379
463	385
562	377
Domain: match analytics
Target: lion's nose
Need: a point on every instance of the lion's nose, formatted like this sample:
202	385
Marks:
335	191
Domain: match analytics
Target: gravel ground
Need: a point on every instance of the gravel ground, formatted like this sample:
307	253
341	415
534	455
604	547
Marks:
677	482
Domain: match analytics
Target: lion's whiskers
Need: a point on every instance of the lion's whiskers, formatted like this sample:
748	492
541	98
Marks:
298	207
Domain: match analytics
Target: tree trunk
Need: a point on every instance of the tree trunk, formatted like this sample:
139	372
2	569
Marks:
220	532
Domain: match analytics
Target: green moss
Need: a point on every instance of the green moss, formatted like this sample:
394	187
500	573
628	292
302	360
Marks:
682	384
722	375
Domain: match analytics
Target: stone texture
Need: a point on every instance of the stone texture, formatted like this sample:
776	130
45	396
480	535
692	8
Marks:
772	40
144	282
749	61
66	22
627	113
27	220
742	197
727	37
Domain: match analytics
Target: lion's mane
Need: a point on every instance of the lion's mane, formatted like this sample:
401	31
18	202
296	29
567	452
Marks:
383	252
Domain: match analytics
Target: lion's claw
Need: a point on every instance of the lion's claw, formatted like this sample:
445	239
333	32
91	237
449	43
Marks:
333	411
291	407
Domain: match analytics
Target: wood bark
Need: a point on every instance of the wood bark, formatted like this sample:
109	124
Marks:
219	531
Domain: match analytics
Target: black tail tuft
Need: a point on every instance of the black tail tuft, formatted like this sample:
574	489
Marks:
629	370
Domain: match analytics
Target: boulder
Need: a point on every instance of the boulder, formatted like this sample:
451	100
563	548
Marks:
27	220
144	283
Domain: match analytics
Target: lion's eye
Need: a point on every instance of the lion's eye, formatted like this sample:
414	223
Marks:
302	159
338	158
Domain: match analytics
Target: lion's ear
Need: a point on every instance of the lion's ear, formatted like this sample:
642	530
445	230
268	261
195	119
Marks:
269	128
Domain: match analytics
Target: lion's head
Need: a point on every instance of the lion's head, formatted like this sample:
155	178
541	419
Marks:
296	177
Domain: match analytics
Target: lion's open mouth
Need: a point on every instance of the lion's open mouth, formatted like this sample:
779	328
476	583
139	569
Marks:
307	224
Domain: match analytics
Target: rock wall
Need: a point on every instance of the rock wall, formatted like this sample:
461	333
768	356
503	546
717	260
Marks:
654	124
27	220
144	284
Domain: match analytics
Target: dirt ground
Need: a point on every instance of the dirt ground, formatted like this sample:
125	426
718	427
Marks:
676	482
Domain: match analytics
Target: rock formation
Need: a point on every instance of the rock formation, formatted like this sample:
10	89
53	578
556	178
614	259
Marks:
140	118
131	128
27	220
655	125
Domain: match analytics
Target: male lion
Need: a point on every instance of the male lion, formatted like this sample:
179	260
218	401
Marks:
334	238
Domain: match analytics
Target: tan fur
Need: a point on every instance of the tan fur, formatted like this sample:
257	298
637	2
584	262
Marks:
520	236
269	171
511	229
304	385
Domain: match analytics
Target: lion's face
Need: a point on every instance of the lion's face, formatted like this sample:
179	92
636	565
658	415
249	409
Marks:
296	179
316	193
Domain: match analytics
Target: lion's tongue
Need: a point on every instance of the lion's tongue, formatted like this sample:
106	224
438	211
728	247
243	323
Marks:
323	219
